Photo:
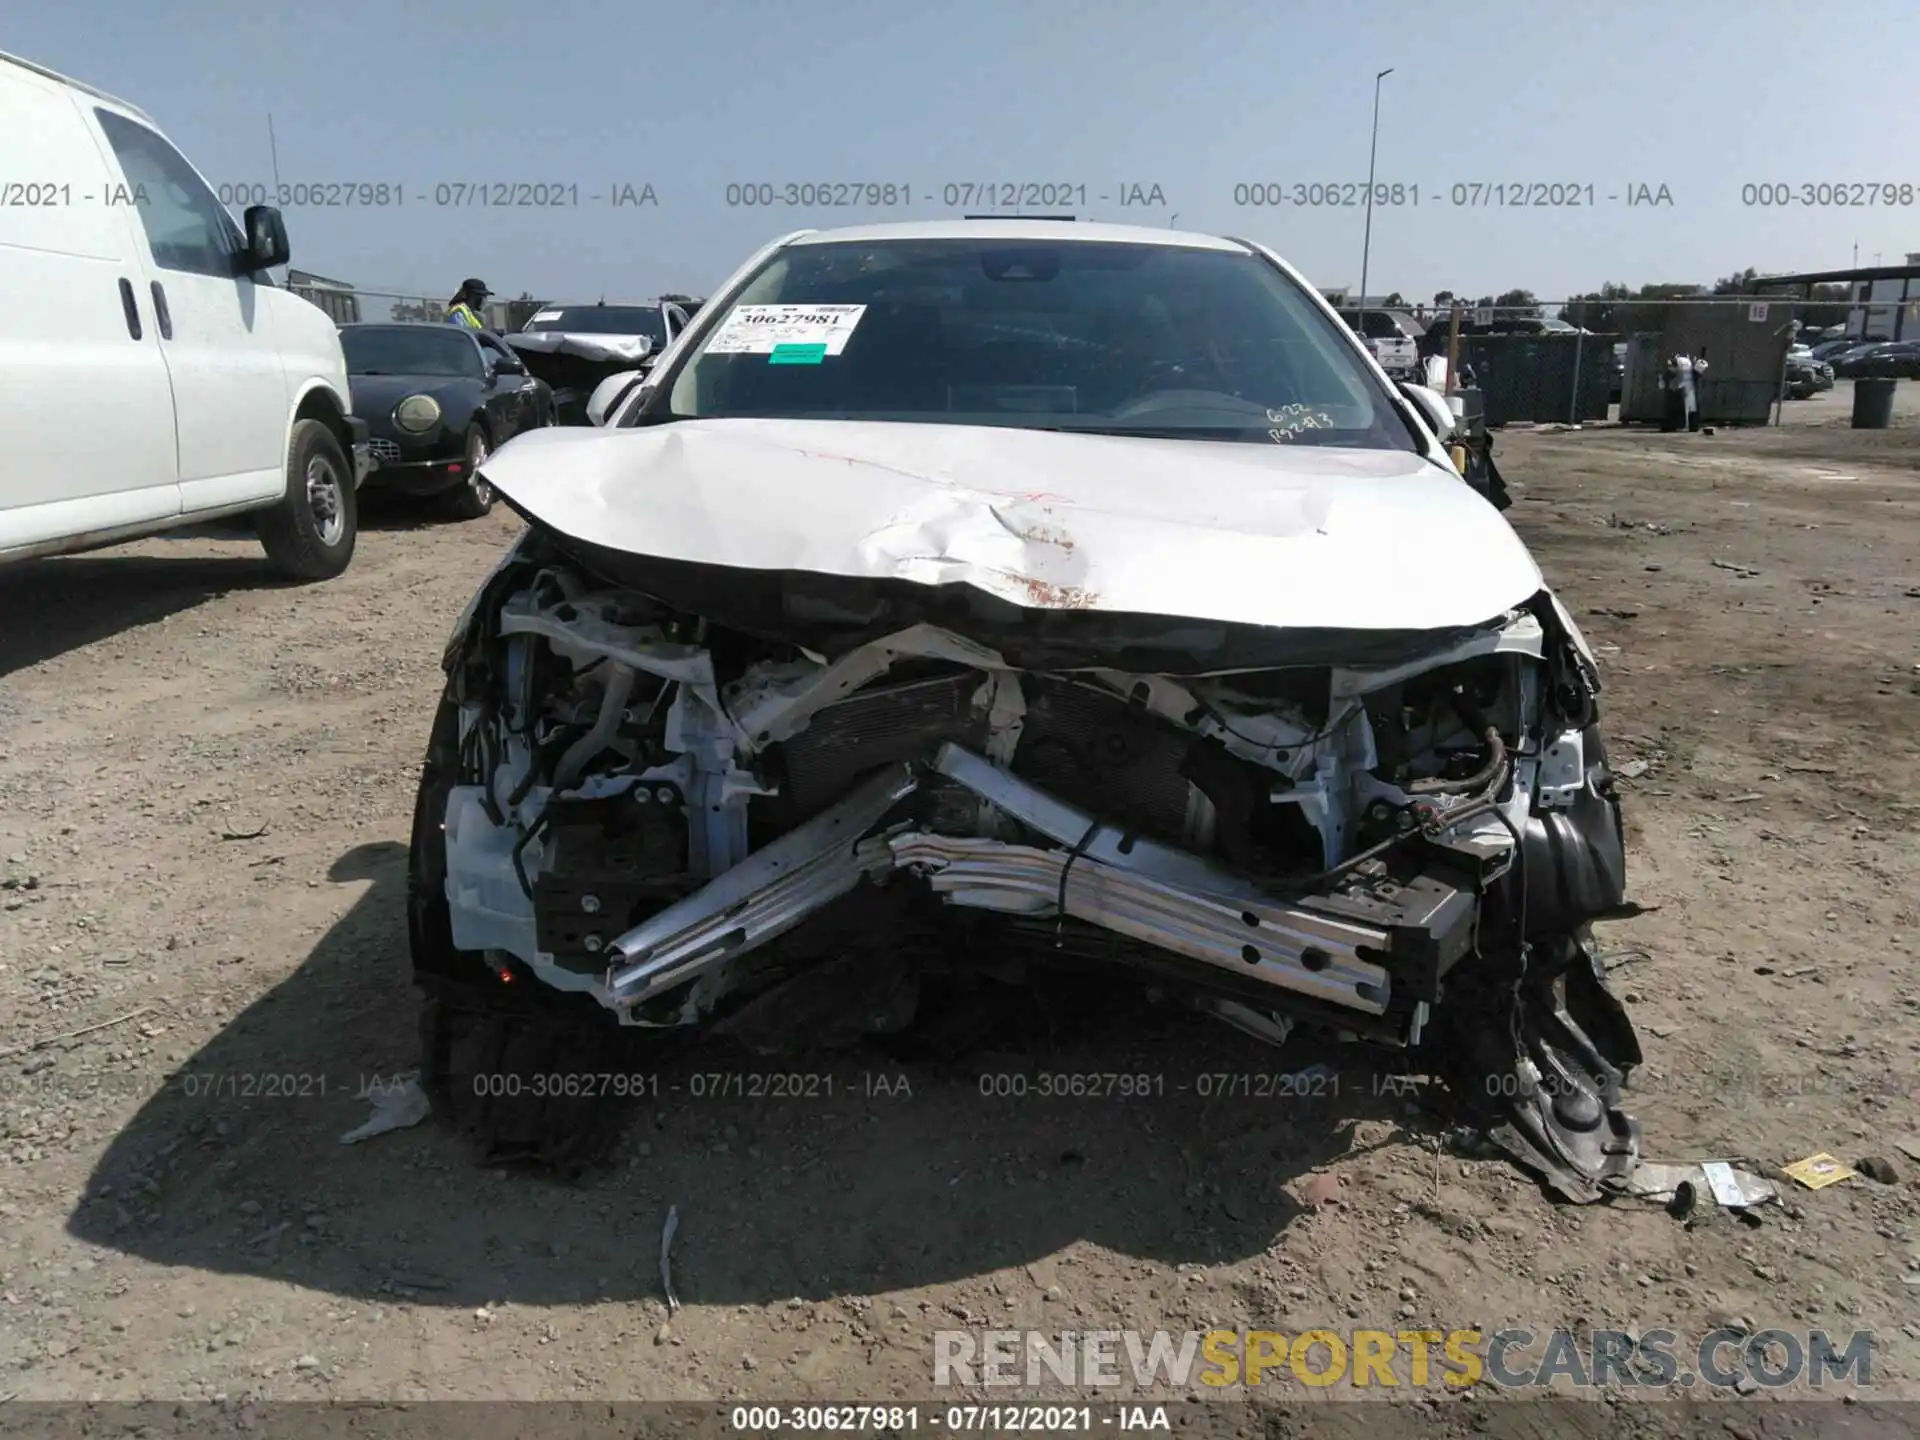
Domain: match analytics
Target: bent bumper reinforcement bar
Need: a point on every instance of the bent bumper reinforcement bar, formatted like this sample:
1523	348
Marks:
1156	894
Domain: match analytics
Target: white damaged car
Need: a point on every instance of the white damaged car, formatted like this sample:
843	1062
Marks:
973	595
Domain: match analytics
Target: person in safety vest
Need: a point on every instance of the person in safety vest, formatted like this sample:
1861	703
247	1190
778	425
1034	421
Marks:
464	308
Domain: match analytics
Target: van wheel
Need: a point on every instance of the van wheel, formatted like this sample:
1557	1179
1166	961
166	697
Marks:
473	497
310	533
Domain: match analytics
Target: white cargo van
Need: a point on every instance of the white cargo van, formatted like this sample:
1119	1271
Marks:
152	374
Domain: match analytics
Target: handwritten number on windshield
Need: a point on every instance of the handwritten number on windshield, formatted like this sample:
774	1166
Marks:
1289	420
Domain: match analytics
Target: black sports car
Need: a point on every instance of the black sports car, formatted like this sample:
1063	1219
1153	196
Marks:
438	400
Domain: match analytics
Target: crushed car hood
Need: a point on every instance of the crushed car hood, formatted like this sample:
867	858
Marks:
608	349
1267	535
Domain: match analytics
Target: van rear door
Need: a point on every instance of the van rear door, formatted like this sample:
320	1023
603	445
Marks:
89	430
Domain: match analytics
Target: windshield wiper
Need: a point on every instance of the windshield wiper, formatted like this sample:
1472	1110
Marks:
1146	432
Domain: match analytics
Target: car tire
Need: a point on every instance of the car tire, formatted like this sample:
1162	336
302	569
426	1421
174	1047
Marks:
309	534
495	1054
472	498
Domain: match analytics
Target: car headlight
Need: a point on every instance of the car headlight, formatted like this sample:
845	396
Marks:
417	413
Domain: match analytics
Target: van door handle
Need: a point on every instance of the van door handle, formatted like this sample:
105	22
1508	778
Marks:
132	310
160	315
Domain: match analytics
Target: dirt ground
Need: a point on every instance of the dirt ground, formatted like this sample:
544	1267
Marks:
205	787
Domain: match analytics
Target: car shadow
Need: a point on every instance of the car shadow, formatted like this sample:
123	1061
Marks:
382	511
830	1174
64	603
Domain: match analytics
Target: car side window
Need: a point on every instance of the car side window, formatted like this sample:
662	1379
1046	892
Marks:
187	226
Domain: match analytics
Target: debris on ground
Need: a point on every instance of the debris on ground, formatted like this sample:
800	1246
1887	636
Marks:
1745	572
1878	1168
666	1256
1320	1190
1681	1187
1632	769
398	1104
1816	1172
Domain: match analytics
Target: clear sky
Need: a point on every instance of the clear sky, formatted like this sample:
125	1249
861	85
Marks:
1195	97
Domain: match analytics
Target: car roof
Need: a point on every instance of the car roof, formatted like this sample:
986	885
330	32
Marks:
79	85
438	327
1020	229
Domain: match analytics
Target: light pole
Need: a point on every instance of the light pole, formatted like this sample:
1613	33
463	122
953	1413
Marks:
1366	244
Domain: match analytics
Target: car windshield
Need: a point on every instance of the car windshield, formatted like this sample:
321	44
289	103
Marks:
409	350
603	320
1374	324
1116	339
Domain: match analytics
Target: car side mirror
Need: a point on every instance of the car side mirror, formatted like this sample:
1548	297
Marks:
1433	409
266	239
509	365
611	393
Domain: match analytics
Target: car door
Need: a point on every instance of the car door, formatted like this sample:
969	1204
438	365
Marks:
229	386
88	429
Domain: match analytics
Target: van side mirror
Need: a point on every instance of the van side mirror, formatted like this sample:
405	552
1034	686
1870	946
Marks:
266	239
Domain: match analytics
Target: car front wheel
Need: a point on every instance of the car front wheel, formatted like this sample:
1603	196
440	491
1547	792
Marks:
310	533
473	497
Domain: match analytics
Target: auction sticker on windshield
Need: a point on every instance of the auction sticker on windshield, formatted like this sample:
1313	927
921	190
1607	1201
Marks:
779	331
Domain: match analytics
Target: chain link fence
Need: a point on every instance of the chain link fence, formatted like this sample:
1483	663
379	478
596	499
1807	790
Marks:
1550	361
354	304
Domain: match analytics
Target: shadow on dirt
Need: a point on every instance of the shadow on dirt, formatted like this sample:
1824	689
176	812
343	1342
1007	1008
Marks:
382	511
56	605
835	1174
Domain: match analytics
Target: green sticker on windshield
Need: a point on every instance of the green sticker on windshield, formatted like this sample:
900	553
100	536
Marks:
798	354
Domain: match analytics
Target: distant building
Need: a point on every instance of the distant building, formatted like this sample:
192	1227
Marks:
1887	306
336	297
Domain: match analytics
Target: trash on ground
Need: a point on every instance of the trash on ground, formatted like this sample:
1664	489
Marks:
1735	1189
1672	1185
398	1104
666	1257
1816	1172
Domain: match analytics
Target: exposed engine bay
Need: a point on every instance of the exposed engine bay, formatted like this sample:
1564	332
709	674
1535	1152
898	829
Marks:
657	778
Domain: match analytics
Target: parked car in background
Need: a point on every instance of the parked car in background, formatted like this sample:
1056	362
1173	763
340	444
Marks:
152	374
1804	375
438	400
1391	335
1892	359
1031	590
1876	357
574	347
1828	350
